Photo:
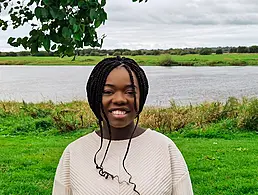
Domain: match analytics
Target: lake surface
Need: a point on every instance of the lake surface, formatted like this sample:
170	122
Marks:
183	84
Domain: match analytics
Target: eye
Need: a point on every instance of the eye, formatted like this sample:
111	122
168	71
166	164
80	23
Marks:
131	92
107	92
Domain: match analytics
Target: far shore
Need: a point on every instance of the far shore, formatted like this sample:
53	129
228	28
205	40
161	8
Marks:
144	60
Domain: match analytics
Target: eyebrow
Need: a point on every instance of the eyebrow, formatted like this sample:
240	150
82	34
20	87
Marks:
111	85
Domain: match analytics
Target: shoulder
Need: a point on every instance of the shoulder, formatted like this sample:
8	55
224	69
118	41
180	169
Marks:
159	138
85	141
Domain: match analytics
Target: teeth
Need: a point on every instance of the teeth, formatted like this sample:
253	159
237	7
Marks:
118	112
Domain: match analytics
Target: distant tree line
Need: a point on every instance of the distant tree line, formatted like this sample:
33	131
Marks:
128	52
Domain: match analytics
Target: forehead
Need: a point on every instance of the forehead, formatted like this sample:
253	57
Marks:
120	76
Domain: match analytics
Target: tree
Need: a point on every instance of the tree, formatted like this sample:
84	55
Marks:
219	51
253	49
233	50
242	49
205	51
63	26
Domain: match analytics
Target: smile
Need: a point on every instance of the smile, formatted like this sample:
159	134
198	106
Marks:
119	113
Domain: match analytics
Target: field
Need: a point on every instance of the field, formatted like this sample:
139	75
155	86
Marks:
218	141
182	60
217	166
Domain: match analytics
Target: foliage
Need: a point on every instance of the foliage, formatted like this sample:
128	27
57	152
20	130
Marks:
219	51
234	114
205	51
61	27
128	52
241	113
167	60
253	49
149	60
242	49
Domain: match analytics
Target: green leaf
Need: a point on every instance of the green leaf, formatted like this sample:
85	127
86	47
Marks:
46	2
53	13
46	43
54	37
44	12
97	22
44	27
76	28
24	42
93	14
103	15
66	32
10	40
103	2
72	20
38	12
77	36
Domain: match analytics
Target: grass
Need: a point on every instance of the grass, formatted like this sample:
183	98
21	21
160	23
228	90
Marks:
218	141
182	60
217	166
28	163
18	118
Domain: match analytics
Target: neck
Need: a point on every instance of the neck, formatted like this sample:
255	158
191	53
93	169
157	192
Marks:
121	133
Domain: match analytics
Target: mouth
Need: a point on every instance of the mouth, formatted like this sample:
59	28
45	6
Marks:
119	113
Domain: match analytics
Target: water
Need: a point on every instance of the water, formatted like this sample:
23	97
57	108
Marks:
182	84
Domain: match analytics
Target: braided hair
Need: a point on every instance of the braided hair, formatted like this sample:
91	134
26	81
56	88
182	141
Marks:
95	87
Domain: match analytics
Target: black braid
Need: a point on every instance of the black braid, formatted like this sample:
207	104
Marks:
95	86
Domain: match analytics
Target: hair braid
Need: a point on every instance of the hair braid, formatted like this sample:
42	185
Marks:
94	88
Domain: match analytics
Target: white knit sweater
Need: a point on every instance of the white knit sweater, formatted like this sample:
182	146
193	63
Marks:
155	163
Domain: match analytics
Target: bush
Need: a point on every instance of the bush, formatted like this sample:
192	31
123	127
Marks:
126	53
208	119
24	53
167	60
219	51
248	115
205	51
117	53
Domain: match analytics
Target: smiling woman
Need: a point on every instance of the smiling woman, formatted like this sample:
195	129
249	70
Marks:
121	158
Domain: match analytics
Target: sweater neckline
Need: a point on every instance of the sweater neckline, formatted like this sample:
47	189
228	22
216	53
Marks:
97	137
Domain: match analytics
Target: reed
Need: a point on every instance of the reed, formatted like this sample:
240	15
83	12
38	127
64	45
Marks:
22	117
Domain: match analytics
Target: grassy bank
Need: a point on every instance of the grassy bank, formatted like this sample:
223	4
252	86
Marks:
218	141
18	118
181	60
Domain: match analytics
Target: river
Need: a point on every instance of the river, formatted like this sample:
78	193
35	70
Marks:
182	84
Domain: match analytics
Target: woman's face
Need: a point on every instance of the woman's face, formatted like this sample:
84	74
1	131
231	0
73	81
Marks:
118	98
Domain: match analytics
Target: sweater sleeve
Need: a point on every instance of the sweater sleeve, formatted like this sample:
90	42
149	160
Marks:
62	178
181	182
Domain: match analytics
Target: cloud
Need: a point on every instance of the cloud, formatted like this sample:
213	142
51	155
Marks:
175	23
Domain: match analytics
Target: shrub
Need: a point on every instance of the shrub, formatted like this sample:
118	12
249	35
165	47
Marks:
219	51
205	51
167	60
248	115
117	53
126	53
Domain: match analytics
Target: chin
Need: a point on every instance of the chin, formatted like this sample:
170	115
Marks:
119	126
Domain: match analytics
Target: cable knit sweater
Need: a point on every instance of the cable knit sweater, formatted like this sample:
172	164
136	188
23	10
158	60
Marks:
155	163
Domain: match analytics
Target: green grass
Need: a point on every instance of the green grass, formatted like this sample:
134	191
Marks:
28	163
185	60
217	166
218	141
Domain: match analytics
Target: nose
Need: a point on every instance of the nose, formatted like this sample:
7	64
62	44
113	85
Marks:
119	98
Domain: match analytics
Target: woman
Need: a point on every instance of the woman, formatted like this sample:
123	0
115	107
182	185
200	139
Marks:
121	158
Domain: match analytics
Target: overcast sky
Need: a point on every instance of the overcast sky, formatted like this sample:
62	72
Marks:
173	24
